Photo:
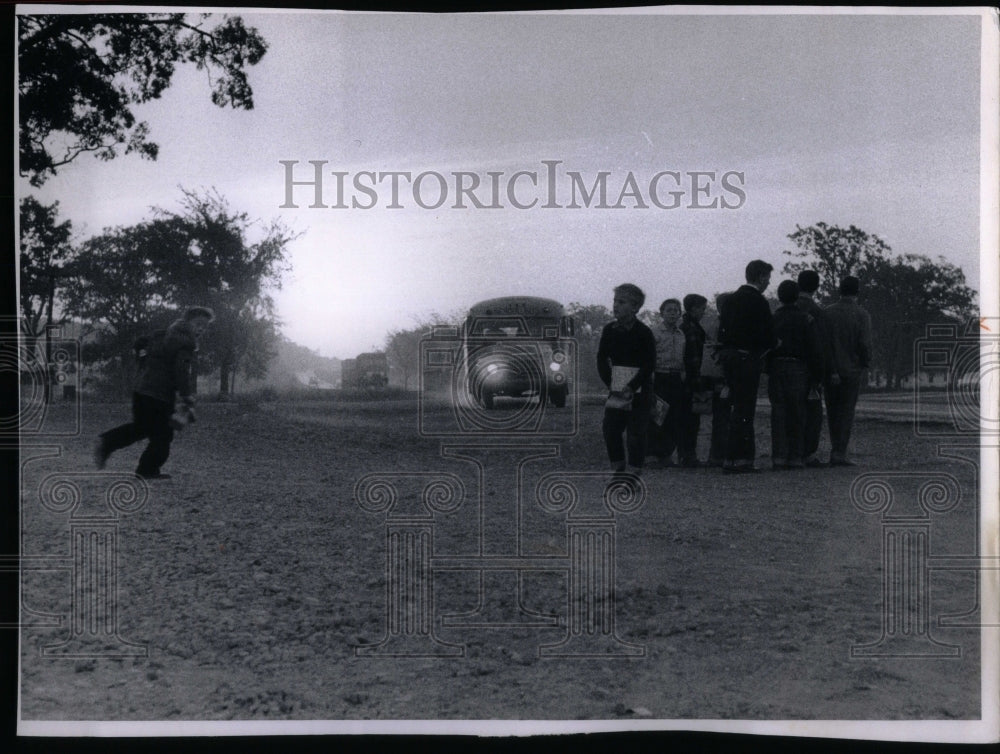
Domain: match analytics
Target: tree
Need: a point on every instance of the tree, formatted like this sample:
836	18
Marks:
116	290
79	75
204	256
45	249
590	320
834	253
903	293
402	349
258	344
402	346
130	280
240	341
649	318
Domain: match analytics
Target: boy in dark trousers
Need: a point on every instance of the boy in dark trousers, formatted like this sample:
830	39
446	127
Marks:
794	365
808	281
850	348
627	343
746	332
713	378
165	371
694	351
668	383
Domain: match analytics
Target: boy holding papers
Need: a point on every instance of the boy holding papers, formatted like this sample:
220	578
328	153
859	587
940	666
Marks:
626	358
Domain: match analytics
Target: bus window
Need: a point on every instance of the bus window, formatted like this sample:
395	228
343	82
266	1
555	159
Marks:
499	327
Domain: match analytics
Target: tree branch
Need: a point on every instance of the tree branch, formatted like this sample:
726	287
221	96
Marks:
57	26
76	150
91	52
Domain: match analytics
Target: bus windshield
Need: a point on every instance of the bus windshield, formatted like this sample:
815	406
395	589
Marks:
500	327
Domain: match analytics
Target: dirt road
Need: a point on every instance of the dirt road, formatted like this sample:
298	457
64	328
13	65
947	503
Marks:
253	577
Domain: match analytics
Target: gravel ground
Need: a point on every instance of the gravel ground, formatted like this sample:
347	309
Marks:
252	577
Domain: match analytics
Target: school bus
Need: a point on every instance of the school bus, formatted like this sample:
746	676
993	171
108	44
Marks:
517	346
368	370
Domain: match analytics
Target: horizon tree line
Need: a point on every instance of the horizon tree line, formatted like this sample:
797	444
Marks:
903	293
129	280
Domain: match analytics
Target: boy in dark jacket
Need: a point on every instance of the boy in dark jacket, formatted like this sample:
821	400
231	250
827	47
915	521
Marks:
808	281
165	371
746	332
713	378
626	343
694	351
850	349
794	365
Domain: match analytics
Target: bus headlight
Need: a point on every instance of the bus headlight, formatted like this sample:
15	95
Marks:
554	366
558	357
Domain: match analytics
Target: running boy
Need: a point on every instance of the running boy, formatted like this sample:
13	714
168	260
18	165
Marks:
165	372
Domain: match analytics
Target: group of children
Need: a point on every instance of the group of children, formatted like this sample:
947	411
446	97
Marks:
662	379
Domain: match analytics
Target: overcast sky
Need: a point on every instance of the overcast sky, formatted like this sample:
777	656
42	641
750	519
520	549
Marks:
864	120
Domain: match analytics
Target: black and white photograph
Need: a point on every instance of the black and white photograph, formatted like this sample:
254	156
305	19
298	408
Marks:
506	373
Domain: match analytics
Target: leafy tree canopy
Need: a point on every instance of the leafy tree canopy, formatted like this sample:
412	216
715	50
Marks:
115	286
45	248
402	346
113	291
591	318
80	74
835	253
918	288
128	280
903	293
209	254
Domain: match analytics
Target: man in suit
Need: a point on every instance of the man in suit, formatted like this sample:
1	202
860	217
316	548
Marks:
850	329
808	281
746	333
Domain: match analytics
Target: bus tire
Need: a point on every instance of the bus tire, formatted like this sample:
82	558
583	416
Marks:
558	394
